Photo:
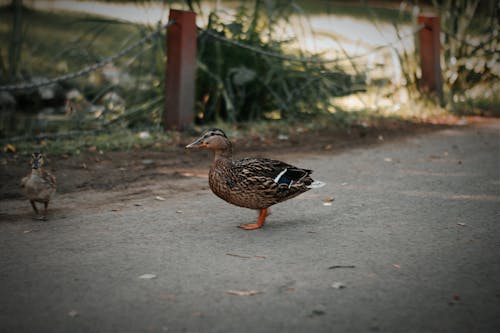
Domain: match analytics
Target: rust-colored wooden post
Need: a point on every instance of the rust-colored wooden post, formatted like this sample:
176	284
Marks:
180	71
429	50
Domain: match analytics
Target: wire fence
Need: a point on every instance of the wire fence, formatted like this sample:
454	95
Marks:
91	68
88	69
272	54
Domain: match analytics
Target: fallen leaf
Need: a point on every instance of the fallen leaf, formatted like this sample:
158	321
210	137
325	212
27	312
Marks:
147	276
328	201
137	205
341	266
338	285
344	184
179	211
170	298
396	266
160	198
381	138
282	137
26	231
238	256
243	292
115	209
245	257
187	174
10	148
388	159
73	313
461	224
316	313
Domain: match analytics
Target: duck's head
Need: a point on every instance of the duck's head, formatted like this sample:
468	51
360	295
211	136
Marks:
214	139
36	160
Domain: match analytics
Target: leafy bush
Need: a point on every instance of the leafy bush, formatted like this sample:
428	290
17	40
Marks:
469	57
470	48
238	84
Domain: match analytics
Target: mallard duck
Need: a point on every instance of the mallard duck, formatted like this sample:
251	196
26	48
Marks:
255	183
39	185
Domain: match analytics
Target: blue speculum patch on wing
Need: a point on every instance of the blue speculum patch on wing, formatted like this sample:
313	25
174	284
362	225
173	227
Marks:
290	176
284	180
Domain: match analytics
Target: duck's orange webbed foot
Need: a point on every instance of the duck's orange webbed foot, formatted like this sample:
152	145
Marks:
260	221
250	226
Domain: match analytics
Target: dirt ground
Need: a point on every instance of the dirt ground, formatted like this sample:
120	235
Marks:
130	173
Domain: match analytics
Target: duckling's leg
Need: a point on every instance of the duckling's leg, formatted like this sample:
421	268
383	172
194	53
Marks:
260	221
34	206
39	217
45	206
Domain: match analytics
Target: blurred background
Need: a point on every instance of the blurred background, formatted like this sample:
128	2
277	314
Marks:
96	69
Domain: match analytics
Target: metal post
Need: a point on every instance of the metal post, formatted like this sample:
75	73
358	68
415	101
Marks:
180	71
429	50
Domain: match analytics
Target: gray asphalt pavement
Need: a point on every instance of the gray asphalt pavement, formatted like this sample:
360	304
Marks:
411	243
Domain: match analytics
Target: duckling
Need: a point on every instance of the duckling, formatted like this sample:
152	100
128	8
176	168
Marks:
39	185
255	183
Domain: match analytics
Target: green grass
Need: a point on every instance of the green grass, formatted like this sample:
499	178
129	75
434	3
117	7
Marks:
118	139
125	139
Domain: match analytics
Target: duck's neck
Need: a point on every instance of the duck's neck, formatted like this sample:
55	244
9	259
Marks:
36	172
223	154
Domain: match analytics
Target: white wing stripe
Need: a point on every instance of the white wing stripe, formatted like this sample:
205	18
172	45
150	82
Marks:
276	180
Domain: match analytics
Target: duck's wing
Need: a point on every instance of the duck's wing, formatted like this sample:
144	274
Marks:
49	178
272	170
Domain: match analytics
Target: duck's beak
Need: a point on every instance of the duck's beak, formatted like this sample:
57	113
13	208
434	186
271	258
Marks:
198	143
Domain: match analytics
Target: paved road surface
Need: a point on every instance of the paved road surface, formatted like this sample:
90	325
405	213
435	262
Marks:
416	222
